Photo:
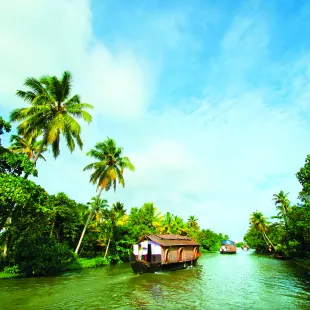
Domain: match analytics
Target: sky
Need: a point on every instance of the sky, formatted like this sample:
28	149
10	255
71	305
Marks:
209	99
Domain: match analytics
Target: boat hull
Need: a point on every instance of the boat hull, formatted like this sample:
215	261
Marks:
145	267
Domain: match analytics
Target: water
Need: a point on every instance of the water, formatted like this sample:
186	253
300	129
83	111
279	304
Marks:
242	281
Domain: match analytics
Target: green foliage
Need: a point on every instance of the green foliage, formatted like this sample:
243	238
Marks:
14	270
290	236
81	263
52	112
210	240
109	166
4	127
41	255
303	176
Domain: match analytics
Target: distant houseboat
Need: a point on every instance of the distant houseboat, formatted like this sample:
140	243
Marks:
244	247
228	247
158	252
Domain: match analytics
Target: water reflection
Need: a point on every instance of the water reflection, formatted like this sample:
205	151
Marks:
244	280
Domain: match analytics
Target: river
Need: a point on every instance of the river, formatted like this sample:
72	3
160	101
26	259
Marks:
242	281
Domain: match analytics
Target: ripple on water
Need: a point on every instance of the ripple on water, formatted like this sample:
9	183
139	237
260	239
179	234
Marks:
244	280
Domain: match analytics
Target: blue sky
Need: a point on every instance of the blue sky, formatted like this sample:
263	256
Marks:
210	99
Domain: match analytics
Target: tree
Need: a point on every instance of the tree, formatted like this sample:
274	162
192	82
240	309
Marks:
115	217
282	203
259	221
108	169
29	146
51	113
192	222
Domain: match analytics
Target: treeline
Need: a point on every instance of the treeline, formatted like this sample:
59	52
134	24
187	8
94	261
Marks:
287	233
41	233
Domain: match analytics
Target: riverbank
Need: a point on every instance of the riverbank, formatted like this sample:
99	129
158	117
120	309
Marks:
79	263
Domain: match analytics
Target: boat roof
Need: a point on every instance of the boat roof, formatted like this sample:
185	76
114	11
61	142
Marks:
169	239
228	242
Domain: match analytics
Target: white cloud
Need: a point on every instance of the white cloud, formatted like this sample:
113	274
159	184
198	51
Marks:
221	162
47	37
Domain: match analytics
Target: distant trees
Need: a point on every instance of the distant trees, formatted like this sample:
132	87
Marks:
289	237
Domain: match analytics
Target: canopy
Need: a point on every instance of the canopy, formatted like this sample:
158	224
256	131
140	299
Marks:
227	242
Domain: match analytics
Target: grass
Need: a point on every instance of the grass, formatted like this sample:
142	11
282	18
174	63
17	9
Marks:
4	275
82	263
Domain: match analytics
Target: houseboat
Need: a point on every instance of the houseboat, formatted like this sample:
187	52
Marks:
228	247
244	247
164	252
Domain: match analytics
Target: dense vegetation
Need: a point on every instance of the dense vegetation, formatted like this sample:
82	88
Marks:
287	234
41	234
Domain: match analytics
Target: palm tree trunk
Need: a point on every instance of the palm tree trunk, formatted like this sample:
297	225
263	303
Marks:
107	249
7	239
5	248
268	240
86	224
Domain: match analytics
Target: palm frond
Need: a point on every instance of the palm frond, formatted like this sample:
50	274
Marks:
66	82
35	85
55	147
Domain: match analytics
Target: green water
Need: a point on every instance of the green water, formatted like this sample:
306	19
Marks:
241	281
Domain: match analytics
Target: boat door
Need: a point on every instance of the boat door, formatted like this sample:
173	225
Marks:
149	253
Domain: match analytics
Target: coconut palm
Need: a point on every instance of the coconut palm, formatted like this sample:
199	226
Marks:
259	221
29	146
168	224
108	169
52	113
151	215
282	203
192	222
98	208
116	216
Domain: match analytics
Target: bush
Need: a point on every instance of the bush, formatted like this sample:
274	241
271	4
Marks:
41	256
80	263
12	270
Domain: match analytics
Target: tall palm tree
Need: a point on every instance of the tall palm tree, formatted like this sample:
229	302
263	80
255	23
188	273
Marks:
282	203
116	216
259	221
52	112
29	146
108	169
98	208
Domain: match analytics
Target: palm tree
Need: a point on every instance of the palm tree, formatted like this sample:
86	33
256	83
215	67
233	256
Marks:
282	203
259	221
108	169
98	208
192	222
29	146
168	224
151	215
116	216
52	113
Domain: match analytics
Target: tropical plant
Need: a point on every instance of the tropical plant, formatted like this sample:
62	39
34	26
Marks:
108	169
29	146
116	216
52	113
282	203
259	221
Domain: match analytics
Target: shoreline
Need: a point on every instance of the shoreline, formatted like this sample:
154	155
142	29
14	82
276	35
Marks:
80	263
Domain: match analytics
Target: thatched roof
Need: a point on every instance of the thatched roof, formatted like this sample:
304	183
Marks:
169	240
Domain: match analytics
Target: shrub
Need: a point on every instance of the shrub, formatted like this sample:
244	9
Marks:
41	256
